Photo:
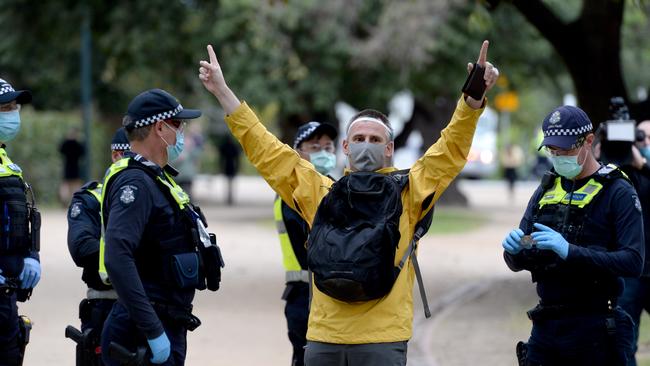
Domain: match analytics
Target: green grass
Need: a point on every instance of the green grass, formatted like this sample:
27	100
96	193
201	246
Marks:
643	355
447	220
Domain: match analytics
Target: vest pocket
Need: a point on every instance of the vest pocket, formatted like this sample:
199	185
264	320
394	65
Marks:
185	269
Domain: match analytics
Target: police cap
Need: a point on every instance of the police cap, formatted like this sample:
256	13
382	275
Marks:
156	105
8	94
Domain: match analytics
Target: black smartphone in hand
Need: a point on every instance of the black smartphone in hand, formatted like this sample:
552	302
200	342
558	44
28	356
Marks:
475	84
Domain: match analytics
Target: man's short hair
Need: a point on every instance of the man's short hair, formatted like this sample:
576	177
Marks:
373	114
136	134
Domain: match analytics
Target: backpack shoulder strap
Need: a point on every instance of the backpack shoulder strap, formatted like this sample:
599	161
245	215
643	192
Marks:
421	228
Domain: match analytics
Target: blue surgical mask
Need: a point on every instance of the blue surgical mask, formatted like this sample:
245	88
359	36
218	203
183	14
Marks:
645	151
174	151
9	125
323	161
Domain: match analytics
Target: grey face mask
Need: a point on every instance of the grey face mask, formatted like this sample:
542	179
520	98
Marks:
366	157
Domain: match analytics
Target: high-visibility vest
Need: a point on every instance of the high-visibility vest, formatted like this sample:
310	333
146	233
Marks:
7	167
294	271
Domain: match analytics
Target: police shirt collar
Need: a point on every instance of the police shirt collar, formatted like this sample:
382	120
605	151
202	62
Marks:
142	160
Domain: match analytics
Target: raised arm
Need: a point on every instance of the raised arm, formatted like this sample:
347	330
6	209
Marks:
442	162
293	178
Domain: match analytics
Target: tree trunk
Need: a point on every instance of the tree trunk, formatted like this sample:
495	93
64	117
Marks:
590	47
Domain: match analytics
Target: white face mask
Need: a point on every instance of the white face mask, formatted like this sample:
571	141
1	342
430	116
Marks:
366	157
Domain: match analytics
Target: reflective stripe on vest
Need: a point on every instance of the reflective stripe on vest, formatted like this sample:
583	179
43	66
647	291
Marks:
7	167
289	259
580	198
181	198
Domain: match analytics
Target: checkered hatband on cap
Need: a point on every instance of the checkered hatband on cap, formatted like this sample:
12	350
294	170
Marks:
120	147
568	131
157	117
304	134
6	89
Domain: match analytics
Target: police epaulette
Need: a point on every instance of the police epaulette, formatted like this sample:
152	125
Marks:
611	172
90	185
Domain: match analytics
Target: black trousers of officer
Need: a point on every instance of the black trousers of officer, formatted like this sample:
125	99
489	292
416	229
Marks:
9	331
296	311
581	340
121	329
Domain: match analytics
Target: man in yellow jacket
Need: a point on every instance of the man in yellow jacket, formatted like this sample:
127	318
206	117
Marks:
372	332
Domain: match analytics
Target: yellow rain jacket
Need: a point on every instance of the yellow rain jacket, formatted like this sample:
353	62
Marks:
389	319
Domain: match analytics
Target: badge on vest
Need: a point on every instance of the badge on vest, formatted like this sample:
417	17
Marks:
128	194
75	210
15	168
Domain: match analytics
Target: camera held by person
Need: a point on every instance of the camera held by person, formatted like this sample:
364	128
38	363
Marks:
618	134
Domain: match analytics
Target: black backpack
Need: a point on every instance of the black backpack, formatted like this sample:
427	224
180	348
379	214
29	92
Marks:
352	245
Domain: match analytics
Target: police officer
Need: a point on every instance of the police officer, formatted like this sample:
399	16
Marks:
314	142
581	232
20	269
156	242
84	231
636	296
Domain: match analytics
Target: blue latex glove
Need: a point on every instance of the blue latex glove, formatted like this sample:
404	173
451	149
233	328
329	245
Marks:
31	273
512	242
550	239
160	348
2	279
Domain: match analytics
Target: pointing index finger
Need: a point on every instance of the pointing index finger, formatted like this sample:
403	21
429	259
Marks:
482	56
213	57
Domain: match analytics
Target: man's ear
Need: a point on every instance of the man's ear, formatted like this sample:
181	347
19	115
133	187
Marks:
346	147
390	149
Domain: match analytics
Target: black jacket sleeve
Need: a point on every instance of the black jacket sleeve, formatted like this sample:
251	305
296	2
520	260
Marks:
84	228
628	257
130	204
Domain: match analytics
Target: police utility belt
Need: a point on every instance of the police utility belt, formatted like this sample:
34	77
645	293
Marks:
543	312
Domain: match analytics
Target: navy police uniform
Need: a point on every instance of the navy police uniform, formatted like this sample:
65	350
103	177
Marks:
84	233
155	241
19	240
577	321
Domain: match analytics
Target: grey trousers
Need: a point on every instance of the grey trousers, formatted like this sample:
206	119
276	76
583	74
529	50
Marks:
370	354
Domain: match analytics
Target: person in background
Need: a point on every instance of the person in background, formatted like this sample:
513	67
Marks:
72	151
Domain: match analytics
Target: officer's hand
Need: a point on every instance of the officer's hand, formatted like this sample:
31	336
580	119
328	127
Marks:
2	279
550	239
512	242
160	348
490	76
638	161
31	273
